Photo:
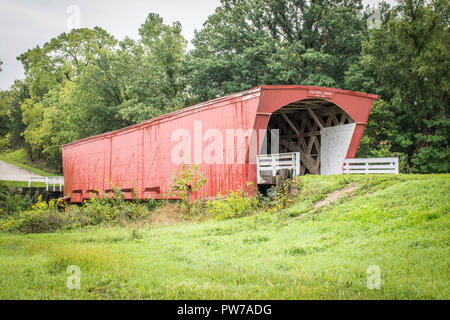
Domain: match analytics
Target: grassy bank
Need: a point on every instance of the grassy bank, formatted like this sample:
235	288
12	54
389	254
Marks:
19	158
398	223
21	184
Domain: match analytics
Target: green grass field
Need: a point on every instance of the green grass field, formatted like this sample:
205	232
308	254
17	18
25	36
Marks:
398	223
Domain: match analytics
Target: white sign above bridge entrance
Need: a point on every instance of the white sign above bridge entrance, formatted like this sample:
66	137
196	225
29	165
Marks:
320	93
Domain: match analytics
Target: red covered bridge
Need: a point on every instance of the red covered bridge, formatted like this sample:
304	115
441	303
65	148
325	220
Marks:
323	126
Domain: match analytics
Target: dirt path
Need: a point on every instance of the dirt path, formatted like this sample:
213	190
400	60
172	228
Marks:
12	172
331	197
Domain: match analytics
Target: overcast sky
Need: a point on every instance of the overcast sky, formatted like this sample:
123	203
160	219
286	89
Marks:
27	23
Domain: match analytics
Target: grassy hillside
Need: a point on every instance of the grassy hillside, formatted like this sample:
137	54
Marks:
399	223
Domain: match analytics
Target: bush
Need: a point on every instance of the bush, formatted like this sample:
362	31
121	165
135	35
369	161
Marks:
278	198
53	216
239	204
42	217
115	209
235	204
11	201
186	182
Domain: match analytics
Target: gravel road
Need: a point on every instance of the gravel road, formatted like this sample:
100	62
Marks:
12	172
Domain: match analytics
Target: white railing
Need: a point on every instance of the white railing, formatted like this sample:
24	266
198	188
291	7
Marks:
267	165
367	165
49	182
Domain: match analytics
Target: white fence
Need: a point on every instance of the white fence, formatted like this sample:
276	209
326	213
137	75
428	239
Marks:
367	165
267	165
50	182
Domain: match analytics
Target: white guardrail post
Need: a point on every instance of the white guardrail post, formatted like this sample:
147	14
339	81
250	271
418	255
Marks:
370	165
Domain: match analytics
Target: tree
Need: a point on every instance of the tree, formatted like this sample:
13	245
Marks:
85	82
49	70
249	43
137	81
407	62
63	58
10	102
155	84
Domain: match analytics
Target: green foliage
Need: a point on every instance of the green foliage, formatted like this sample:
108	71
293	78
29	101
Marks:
5	142
186	182
113	209
63	58
406	61
381	130
249	43
4	128
11	201
41	217
52	216
11	114
285	192
235	204
155	85
238	204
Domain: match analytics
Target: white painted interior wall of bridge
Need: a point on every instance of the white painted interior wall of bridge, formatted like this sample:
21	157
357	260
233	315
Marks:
334	143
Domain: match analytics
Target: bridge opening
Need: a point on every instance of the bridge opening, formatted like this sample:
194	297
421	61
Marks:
318	130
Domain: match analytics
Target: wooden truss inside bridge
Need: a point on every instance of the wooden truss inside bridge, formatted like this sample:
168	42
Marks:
299	126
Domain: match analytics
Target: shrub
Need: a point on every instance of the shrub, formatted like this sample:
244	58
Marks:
280	197
238	204
185	183
11	201
235	204
100	210
53	216
42	217
115	208
199	208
